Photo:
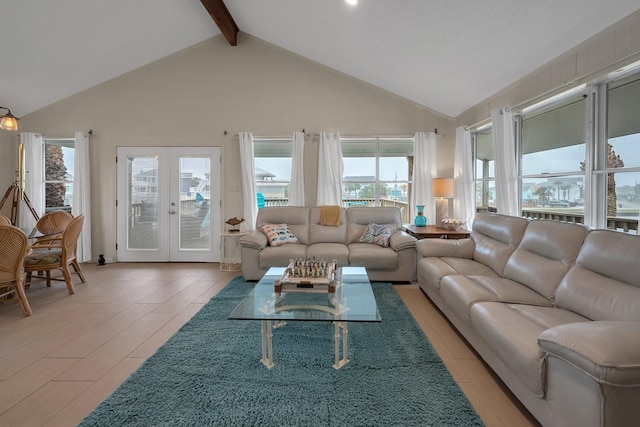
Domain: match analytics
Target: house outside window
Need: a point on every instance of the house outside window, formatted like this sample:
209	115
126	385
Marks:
484	168
58	174
377	171
552	151
619	166
272	157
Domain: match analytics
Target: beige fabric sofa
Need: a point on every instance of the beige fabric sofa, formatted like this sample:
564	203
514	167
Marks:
396	262
553	308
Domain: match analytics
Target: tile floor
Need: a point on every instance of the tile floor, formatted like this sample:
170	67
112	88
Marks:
59	364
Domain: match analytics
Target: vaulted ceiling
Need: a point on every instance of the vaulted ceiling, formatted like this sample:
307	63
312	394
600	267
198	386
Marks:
447	55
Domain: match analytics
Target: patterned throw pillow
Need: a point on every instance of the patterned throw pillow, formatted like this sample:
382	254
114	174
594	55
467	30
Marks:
378	234
279	234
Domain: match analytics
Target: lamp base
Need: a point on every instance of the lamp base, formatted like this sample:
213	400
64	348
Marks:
442	211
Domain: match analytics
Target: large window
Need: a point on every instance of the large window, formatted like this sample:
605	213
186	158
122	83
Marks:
376	171
273	170
577	156
621	160
58	174
552	156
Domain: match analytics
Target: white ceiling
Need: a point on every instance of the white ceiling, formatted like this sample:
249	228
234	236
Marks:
447	55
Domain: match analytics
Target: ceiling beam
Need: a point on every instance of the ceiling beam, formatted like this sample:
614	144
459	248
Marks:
223	19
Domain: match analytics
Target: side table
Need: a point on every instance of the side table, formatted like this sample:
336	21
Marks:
433	232
230	250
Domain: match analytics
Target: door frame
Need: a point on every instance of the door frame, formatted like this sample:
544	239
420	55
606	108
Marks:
167	225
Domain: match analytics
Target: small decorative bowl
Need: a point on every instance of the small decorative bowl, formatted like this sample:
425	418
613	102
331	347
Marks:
452	223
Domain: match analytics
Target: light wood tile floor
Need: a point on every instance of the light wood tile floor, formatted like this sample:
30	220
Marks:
59	364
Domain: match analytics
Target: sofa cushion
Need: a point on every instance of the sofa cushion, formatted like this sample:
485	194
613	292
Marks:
496	237
512	330
359	218
605	282
378	234
296	218
319	233
461	292
330	251
547	250
372	257
278	234
279	256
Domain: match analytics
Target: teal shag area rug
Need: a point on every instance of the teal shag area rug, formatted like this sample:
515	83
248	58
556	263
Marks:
209	374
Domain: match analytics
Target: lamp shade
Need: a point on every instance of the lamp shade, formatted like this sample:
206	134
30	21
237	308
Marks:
442	187
8	121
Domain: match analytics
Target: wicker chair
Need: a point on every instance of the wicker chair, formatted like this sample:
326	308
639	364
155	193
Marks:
4	220
56	253
13	248
54	223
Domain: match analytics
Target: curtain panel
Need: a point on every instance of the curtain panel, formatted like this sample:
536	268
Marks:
424	170
34	178
296	185
330	170
464	203
505	162
247	164
81	203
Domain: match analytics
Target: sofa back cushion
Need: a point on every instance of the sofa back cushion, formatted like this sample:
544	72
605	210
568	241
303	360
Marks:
547	250
358	218
604	284
319	233
296	218
496	237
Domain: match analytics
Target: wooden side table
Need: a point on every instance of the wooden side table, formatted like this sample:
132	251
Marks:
433	232
230	250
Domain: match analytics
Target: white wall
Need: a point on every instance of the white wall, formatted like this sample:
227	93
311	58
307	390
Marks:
612	48
194	96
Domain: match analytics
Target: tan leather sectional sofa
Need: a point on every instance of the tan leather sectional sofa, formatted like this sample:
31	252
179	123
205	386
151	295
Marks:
395	262
553	308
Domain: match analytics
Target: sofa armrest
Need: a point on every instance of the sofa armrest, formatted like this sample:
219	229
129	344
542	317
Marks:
458	248
254	239
400	240
607	351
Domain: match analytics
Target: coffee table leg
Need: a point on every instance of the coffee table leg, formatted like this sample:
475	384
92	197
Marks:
340	361
267	344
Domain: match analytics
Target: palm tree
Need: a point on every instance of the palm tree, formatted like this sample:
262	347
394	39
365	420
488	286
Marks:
613	161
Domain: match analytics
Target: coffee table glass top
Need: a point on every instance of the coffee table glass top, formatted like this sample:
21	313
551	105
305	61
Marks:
353	300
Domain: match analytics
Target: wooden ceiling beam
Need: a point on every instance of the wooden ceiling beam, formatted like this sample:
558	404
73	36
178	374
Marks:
223	19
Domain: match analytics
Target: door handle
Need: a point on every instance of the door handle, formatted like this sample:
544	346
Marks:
172	212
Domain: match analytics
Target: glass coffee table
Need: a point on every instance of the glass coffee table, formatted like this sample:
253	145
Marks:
353	301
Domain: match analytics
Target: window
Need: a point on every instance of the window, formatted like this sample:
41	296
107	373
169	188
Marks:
58	174
376	171
622	168
553	147
272	158
484	164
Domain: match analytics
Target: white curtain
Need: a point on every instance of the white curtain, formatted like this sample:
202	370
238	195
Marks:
81	203
463	187
34	178
424	170
330	170
247	164
296	187
505	162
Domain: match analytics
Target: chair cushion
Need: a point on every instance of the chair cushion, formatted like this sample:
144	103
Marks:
44	256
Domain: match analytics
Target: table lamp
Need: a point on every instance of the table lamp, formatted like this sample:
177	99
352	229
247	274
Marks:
441	189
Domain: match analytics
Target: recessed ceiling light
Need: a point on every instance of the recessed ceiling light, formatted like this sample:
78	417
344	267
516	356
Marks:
352	2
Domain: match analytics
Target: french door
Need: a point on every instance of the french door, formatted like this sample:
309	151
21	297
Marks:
168	204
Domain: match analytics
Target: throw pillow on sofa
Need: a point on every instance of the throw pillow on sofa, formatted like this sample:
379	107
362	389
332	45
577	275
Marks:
378	234
278	234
